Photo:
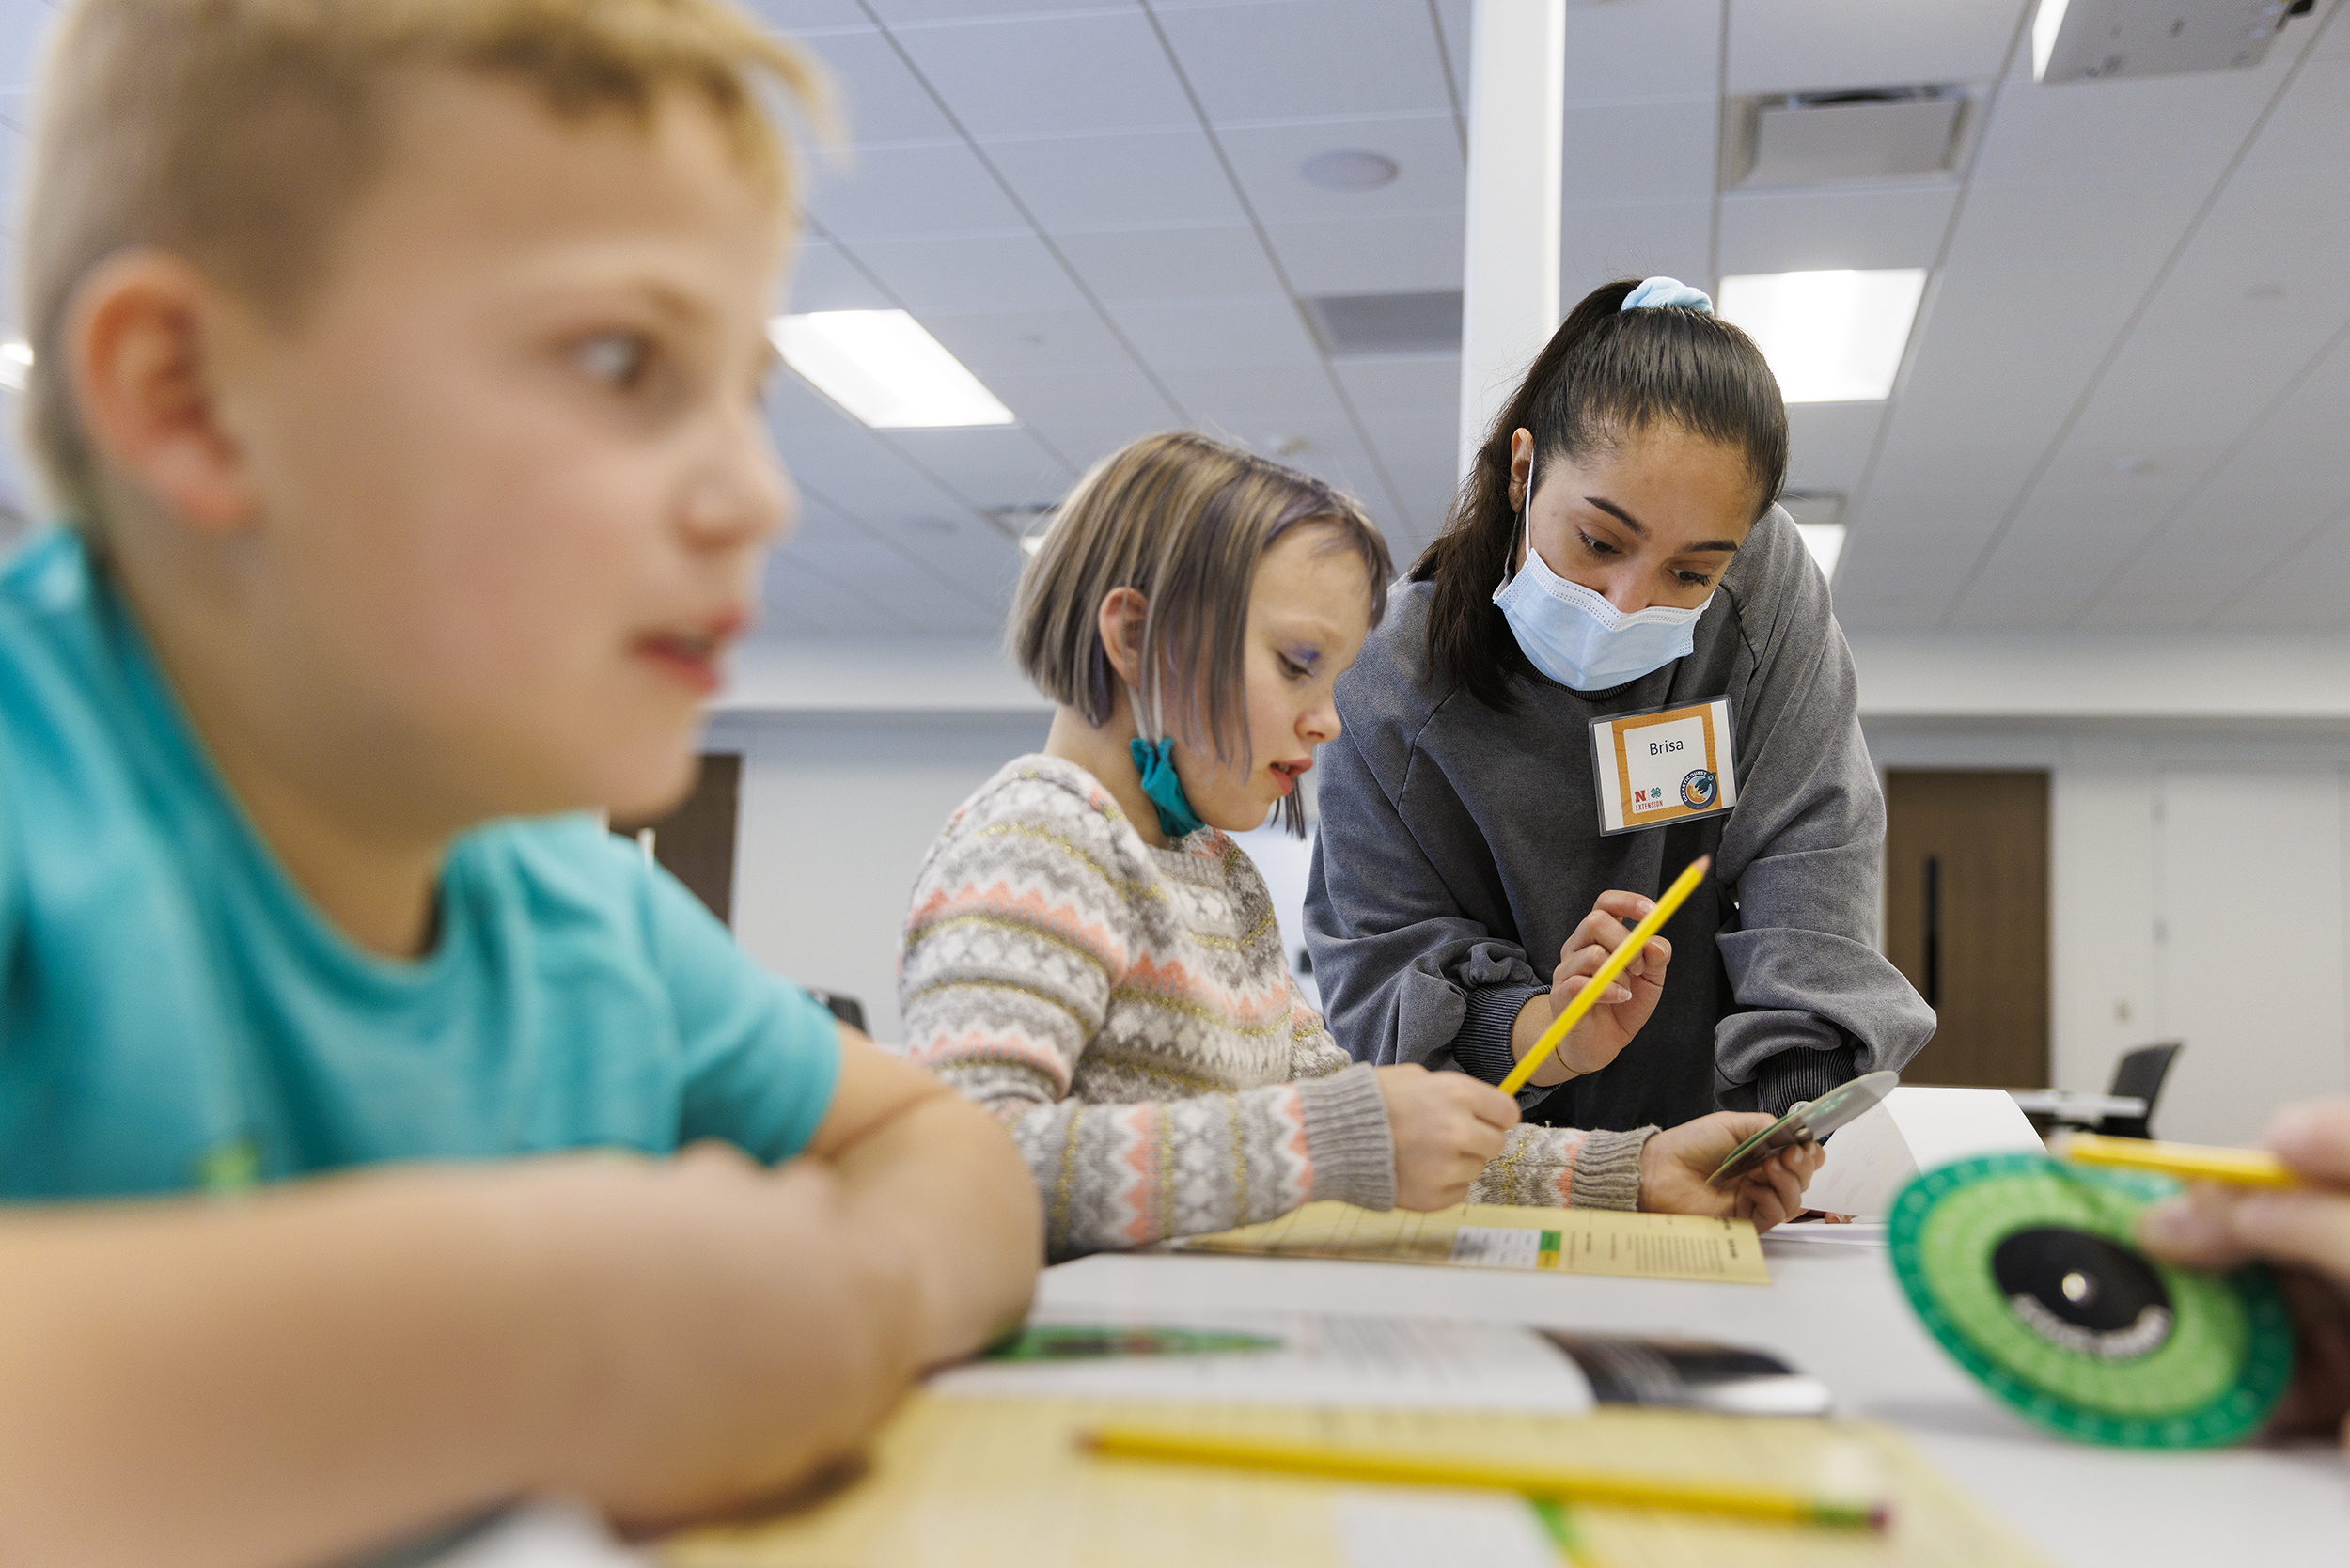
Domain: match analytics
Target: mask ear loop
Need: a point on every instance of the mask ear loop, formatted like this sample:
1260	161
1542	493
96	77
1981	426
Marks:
1525	525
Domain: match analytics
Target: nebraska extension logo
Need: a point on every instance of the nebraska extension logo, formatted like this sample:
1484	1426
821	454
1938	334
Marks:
1697	789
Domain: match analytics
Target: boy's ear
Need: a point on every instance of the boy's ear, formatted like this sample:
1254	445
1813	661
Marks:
1123	610
142	344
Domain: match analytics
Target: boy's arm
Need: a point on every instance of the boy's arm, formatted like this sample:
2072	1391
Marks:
315	1371
939	1178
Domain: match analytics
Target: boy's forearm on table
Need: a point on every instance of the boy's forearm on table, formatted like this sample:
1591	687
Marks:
276	1381
942	1179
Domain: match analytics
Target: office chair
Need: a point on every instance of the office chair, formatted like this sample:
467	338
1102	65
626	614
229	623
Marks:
2139	1075
847	1009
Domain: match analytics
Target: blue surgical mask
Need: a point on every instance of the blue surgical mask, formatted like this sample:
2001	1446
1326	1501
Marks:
1154	758
1576	637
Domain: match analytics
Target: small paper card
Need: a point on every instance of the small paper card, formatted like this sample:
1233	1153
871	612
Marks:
1664	765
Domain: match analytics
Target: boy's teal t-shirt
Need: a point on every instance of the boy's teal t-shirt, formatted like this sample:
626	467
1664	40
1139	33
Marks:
175	1014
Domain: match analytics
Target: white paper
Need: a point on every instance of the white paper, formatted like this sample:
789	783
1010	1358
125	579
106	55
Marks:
1324	1359
1869	1161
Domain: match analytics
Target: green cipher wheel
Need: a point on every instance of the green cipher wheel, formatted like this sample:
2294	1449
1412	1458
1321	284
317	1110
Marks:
2025	1269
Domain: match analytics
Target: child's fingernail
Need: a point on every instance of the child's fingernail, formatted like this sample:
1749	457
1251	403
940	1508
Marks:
1618	994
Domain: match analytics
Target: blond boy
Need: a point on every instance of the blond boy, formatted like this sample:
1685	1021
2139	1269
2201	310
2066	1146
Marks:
398	367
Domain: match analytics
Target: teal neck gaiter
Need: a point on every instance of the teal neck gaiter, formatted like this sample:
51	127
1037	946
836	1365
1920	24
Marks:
1177	819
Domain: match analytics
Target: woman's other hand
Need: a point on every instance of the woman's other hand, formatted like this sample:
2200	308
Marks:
1631	997
1675	1162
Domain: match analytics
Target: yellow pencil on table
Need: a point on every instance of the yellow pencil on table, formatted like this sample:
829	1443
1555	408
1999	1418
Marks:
1585	999
1540	1482
2193	1162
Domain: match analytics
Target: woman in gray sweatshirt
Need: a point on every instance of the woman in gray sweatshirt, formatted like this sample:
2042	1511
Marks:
1615	549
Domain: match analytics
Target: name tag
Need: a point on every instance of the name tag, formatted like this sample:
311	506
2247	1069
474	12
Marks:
1664	765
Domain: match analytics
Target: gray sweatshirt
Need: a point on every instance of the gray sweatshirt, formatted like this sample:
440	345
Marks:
1459	847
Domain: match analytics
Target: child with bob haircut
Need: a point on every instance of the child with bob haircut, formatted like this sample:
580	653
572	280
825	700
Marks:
398	371
1091	958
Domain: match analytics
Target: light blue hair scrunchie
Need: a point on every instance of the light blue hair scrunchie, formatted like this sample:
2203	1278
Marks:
1667	290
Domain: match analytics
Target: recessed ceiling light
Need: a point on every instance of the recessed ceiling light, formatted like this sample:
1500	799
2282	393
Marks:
16	364
884	369
1831	337
1350	169
1826	541
2045	25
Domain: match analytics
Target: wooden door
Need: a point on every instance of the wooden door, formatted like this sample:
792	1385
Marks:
1967	919
694	843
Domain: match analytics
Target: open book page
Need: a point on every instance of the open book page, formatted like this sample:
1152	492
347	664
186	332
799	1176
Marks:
1492	1235
977	1483
1284	1358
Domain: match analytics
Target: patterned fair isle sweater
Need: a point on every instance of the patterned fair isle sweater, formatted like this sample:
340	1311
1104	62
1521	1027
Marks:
1129	1012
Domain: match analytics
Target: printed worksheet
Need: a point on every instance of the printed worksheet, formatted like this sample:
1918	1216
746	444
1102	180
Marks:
1492	1235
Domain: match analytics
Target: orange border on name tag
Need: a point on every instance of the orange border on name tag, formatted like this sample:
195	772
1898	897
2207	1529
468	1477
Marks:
1623	765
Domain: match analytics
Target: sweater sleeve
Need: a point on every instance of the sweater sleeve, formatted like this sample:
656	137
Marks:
1817	1002
1565	1168
1021	928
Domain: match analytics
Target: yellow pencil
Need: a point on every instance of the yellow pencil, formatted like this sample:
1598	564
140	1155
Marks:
2194	1162
1585	999
1542	1482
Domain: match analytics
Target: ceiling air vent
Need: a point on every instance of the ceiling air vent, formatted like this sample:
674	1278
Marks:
1825	138
1359	326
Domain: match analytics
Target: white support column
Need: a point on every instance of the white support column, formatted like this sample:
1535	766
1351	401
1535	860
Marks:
1517	105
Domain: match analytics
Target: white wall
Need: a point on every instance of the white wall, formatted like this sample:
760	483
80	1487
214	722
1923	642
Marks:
855	753
2142	949
837	813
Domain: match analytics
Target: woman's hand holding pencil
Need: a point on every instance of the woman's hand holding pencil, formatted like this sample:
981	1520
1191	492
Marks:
1597	987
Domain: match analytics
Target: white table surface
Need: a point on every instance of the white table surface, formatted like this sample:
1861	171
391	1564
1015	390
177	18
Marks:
1833	1309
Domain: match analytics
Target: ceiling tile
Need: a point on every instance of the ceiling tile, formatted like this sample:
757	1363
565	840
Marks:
2181	131
891	191
1598	243
1796	45
1121	265
1259	398
1405	253
987	467
1052	397
916	11
23	31
1655	150
972	272
825	278
1415	385
1659	49
1311	58
1011	77
802	592
1828	444
807	16
1426	149
1153	180
1086	439
882	99
999	344
1179	333
1793	231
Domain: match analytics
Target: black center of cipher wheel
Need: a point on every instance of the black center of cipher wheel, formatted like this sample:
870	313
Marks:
2083	1292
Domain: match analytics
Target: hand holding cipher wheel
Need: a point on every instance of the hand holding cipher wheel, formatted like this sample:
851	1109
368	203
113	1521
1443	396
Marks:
2027	1271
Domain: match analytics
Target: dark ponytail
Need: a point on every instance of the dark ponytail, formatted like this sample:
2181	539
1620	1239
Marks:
1606	373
